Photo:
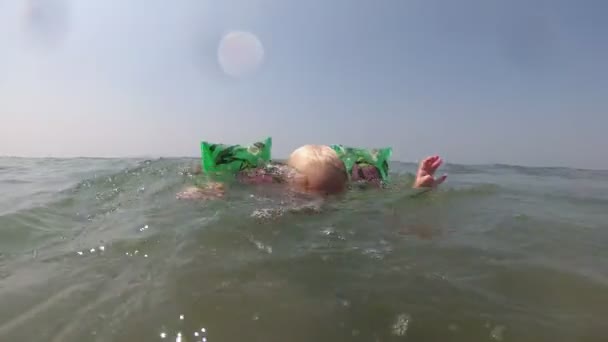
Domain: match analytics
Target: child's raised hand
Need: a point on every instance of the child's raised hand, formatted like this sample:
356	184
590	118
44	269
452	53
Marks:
425	177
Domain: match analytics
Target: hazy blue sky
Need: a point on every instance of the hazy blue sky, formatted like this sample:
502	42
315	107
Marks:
477	81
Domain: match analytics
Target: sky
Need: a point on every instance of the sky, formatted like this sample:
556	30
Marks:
475	81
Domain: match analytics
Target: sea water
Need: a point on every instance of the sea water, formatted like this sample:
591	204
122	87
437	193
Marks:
101	250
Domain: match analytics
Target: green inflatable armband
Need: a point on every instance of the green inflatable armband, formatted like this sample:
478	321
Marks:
217	158
377	157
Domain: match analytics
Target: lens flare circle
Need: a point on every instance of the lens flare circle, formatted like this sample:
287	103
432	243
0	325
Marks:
240	53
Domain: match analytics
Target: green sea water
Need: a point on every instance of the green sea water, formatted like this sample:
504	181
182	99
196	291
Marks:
100	250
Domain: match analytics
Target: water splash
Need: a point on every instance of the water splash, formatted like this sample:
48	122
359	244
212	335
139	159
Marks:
261	246
401	324
497	333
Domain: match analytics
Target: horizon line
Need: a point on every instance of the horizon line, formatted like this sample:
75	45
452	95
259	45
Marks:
144	157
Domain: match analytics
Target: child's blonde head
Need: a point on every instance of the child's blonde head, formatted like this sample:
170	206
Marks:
319	169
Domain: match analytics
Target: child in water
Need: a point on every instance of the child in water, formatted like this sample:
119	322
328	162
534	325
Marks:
317	170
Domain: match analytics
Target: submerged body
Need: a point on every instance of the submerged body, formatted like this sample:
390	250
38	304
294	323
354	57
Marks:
315	169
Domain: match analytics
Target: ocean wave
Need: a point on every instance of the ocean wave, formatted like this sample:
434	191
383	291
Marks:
107	245
563	172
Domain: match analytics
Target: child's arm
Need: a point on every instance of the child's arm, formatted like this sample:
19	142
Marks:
425	180
206	191
209	191
425	177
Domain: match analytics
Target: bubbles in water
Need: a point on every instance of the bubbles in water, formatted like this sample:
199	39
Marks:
79	253
261	246
401	324
92	250
136	253
180	336
143	228
267	213
331	233
102	248
374	253
328	231
497	332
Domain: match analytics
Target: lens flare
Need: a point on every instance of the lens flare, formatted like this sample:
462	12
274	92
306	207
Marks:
240	53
